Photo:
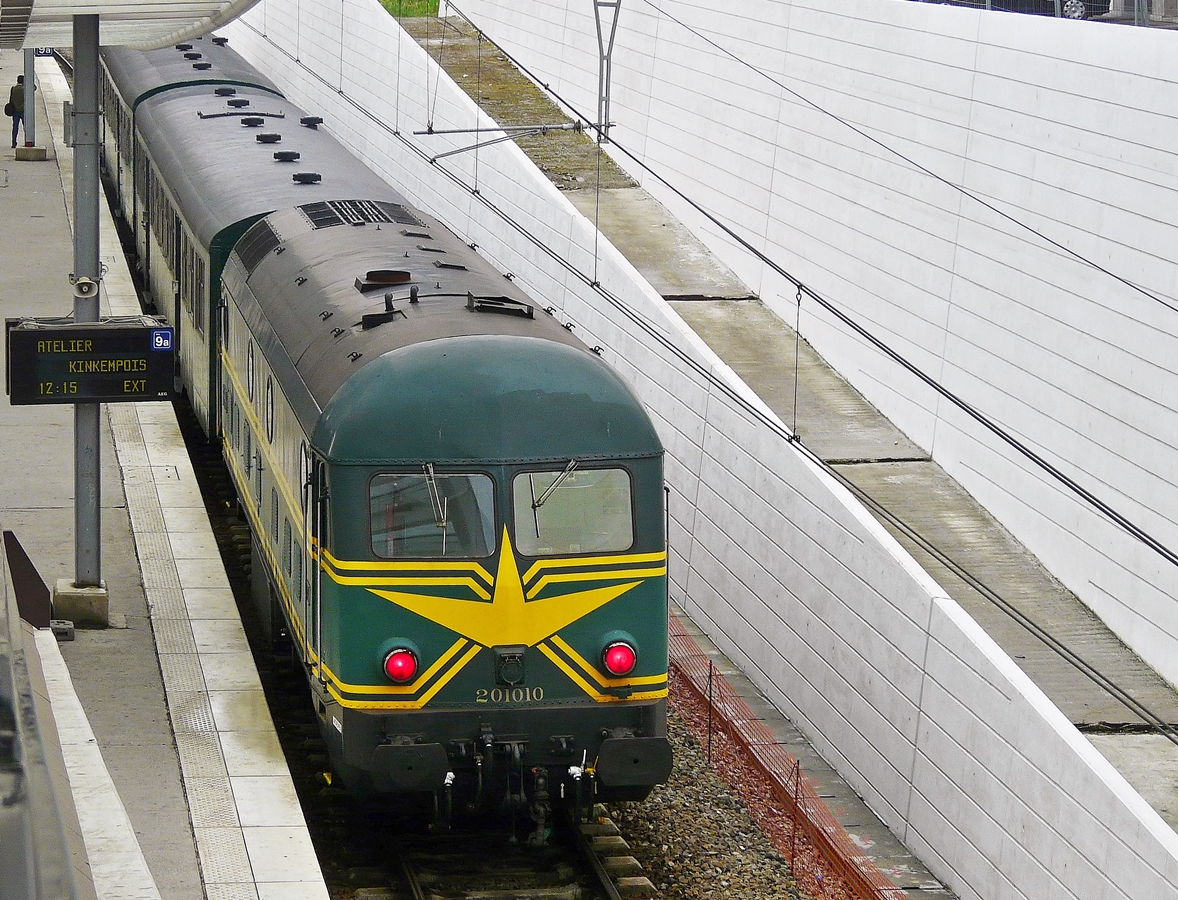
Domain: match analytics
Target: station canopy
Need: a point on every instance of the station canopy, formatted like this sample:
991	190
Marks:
143	24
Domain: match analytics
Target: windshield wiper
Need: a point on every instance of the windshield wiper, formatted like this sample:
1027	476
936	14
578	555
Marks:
536	504
438	503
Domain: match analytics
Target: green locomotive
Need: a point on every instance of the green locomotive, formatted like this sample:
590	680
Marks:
459	507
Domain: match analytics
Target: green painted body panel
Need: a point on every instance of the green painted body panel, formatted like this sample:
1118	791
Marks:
484	398
358	624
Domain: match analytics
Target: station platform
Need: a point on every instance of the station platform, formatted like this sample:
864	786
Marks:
179	785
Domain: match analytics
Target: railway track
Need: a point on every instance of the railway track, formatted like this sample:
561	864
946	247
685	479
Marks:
582	862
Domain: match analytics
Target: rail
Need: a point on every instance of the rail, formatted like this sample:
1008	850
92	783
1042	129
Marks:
728	715
35	862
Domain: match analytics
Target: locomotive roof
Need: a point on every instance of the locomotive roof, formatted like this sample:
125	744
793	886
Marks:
464	373
141	75
219	172
482	399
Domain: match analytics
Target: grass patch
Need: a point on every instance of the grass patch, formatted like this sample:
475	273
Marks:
411	8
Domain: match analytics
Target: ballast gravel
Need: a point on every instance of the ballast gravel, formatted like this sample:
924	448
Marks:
696	840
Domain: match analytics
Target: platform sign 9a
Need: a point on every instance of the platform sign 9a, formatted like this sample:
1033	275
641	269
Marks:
56	361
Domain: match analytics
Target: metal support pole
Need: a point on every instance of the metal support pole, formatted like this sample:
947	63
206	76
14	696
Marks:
605	50
30	116
87	505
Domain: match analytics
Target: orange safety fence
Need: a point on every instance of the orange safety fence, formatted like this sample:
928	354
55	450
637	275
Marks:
728	715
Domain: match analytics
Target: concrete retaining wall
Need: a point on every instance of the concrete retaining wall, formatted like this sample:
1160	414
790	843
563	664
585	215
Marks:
1070	128
962	756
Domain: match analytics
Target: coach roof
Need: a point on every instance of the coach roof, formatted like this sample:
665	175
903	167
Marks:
142	75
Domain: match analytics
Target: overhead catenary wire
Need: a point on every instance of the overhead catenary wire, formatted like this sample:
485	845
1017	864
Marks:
965	192
1105	509
1155	721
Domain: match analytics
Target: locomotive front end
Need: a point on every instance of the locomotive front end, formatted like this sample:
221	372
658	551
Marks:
492	609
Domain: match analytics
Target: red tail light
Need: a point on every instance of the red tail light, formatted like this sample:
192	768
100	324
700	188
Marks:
619	658
400	665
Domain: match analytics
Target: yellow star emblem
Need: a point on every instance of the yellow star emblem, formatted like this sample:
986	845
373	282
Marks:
507	619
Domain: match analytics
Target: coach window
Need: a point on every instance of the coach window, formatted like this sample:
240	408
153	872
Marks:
298	571
428	515
258	480
199	291
171	242
286	544
249	371
270	409
572	511
186	273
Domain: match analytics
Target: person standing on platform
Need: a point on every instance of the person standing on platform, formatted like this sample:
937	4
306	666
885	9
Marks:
16	100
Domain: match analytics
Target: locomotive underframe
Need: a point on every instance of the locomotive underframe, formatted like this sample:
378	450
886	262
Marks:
491	757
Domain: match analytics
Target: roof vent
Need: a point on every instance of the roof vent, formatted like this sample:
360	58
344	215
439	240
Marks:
193	55
311	121
252	121
268	137
371	320
328	213
202	66
500	305
225	91
184	47
238	102
256	244
287	155
307	177
376	279
220	41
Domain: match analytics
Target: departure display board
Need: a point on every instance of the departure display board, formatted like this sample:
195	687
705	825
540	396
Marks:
113	361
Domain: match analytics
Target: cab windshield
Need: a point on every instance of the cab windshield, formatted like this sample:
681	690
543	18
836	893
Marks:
574	510
430	516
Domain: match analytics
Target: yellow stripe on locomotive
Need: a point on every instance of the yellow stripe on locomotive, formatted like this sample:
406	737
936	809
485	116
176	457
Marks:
432	603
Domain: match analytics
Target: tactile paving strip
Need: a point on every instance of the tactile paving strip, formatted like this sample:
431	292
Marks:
182	673
191	712
224	861
155	546
173	635
144	507
167	603
223	858
231	892
159	575
210	802
200	756
124	425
